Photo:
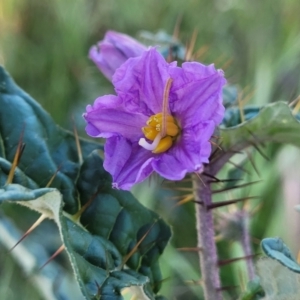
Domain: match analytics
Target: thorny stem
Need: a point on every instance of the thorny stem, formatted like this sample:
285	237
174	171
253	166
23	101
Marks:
205	232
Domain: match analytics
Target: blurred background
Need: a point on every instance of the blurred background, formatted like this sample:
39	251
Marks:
44	46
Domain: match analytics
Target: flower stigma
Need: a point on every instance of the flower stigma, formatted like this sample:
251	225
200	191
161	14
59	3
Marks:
161	128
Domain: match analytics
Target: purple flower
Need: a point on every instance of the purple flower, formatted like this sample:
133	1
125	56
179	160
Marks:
113	51
161	119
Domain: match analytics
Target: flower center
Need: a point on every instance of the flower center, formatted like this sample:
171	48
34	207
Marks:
162	135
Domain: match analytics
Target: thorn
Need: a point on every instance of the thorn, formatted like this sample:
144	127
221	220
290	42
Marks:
191	46
217	180
248	97
53	176
252	163
235	151
98	295
211	176
225	262
77	141
186	199
198	202
230	180
194	282
217	137
215	152
17	157
255	240
225	203
235	187
239	167
198	175
178	197
256	146
260	151
135	248
35	225
200	52
84	207
187	249
216	145
228	287
255	210
57	252
177	27
158	283
21	152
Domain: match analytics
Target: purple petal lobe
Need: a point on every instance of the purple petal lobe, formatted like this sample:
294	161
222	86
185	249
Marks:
195	101
113	51
188	155
197	96
128	163
141	81
107	118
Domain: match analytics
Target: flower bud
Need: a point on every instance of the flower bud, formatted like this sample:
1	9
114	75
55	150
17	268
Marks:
110	53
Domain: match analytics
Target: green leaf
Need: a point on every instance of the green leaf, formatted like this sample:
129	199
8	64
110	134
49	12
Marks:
274	123
113	242
30	255
116	216
48	147
276	249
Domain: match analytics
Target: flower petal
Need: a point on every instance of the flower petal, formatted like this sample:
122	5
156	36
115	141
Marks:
188	154
113	51
128	163
197	97
141	81
107	117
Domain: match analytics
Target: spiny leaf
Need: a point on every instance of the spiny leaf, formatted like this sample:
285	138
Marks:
47	145
111	225
272	123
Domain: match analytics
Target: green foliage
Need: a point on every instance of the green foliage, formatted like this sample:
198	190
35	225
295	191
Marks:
113	223
51	62
274	123
276	249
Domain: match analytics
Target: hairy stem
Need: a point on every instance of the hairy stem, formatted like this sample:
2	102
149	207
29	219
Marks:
205	232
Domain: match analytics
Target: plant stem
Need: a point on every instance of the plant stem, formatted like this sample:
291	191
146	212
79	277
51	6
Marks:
205	232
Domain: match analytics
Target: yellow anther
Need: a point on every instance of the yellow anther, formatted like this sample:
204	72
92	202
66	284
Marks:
162	128
164	145
150	132
156	119
153	132
172	129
